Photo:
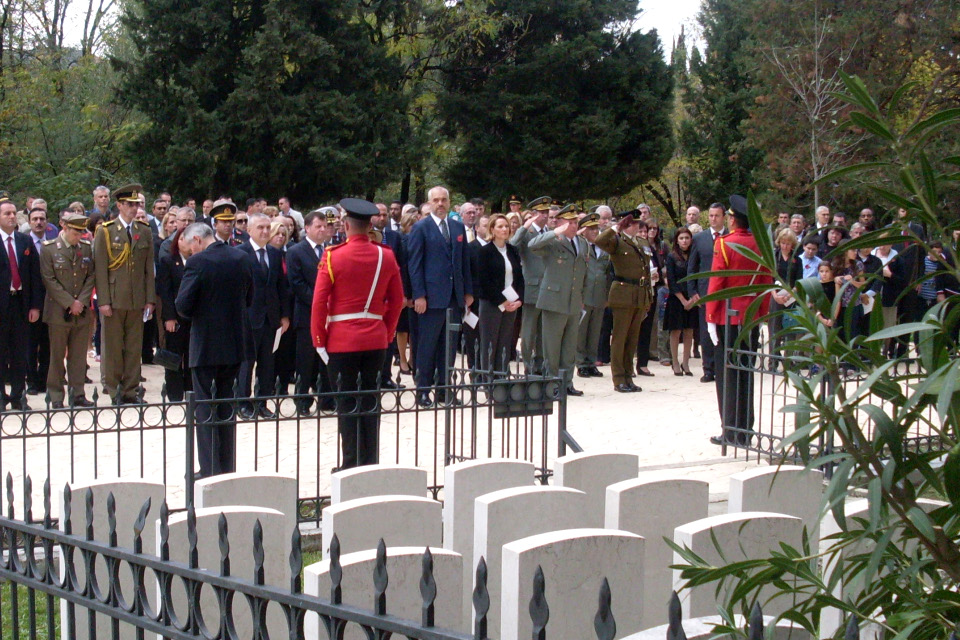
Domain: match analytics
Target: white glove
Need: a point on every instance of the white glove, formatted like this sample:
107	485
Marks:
712	332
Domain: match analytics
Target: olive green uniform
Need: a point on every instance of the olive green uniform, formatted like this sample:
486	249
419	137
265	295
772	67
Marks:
531	333
68	276
594	302
560	299
631	294
125	281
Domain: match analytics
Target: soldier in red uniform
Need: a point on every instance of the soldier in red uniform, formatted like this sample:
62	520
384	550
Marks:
735	386
357	301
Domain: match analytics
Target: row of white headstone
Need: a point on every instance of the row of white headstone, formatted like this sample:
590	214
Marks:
598	520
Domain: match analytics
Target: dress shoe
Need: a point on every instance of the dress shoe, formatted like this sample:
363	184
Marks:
246	413
423	400
56	405
720	441
87	380
82	402
33	391
584	372
707	377
623	388
648	373
686	371
572	391
263	412
634	387
596	373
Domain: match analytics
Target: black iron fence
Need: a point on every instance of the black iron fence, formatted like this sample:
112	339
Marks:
477	414
759	376
162	596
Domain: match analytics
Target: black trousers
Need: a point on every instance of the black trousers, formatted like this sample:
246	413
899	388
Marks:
735	386
38	356
263	358
13	350
309	366
178	381
431	347
151	334
386	370
216	423
358	415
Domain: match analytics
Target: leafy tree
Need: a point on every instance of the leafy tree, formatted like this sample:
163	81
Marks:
901	564
562	100
262	97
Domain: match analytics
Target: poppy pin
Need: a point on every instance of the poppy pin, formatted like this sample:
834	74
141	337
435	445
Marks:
135	238
26	252
460	238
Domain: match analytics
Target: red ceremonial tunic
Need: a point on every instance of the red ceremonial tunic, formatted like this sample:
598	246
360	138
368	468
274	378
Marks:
344	278
726	258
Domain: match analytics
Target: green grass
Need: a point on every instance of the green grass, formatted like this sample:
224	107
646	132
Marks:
23	614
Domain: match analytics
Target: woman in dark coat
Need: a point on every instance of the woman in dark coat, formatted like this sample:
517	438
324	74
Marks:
499	271
176	328
680	318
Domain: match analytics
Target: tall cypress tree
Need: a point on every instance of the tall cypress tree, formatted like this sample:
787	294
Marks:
264	97
560	102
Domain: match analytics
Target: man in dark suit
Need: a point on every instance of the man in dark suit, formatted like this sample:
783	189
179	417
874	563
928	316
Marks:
701	260
270	311
440	280
471	335
394	240
38	351
21	296
302	261
216	290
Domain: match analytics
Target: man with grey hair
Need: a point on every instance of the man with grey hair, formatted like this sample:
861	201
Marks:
216	290
644	210
185	217
606	217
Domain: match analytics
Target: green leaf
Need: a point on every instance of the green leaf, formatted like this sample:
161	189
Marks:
858	91
951	476
887	428
893	198
939	119
902	330
947	392
922	522
867	123
854	168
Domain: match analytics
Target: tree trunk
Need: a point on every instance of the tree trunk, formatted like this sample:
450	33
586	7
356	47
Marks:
405	184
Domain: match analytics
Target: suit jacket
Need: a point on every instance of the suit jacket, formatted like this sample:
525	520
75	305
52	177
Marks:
28	264
169	277
473	250
68	275
216	290
701	259
439	270
397	244
491	272
271	294
561	288
595	286
302	264
532	263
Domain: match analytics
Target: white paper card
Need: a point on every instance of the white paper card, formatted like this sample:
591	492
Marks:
276	339
510	294
322	352
147	314
471	319
790	299
868	305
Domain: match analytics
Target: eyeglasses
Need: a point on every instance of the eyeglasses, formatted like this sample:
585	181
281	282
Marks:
242	220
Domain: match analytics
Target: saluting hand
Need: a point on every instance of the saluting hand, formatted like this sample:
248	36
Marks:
559	231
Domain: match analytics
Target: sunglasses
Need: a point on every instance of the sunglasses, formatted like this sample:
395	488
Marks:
242	220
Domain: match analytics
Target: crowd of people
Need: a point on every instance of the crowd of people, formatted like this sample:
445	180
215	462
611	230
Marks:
559	289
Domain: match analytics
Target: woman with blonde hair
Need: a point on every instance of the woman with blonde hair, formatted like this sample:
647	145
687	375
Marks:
169	225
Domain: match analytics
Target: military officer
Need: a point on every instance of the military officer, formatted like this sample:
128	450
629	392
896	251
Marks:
531	337
631	294
66	266
735	379
224	217
123	260
594	299
560	296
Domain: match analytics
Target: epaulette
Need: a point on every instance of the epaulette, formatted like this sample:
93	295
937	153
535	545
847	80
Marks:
141	222
110	222
50	241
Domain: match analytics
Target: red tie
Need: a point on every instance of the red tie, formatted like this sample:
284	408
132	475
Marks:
14	269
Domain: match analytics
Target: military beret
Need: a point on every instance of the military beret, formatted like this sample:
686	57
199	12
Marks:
358	209
128	193
540	204
594	208
5	196
590	220
224	210
556	203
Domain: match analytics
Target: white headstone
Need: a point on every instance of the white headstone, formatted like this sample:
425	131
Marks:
265	490
574	564
592	473
740	536
129	497
787	489
511	514
377	480
404	569
462	484
653	509
402	521
240	527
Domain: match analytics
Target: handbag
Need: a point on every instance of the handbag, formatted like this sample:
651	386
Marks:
167	359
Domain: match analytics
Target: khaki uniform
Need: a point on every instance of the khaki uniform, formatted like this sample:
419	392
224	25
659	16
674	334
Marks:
68	275
594	302
560	299
630	297
125	281
531	334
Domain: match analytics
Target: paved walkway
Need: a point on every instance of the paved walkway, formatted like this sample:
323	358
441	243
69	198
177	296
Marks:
668	426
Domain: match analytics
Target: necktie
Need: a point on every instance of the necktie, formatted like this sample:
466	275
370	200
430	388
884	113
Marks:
319	250
444	230
263	260
129	235
14	269
470	235
716	234
573	243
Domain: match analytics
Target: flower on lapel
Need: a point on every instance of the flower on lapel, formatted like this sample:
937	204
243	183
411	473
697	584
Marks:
26	252
136	237
460	238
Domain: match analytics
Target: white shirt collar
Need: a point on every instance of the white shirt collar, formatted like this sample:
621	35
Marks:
437	220
313	245
3	236
255	246
482	242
